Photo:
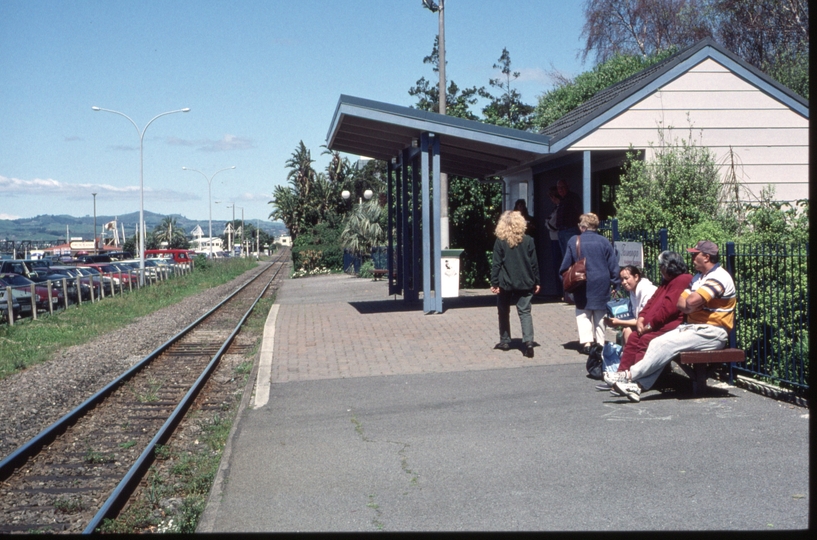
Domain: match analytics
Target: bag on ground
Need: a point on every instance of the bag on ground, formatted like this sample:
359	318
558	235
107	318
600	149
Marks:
610	357
594	362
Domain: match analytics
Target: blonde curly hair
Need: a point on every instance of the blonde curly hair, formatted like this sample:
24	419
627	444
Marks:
511	227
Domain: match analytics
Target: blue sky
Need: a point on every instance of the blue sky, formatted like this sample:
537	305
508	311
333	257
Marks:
258	77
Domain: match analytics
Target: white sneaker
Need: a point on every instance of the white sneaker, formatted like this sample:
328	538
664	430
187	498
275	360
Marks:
612	377
629	389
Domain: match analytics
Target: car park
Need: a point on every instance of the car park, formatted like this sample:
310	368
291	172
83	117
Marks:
42	300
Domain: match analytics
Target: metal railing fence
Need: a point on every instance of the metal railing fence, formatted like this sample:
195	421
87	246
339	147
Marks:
773	310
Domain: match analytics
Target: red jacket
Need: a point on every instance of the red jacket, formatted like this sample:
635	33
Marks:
661	311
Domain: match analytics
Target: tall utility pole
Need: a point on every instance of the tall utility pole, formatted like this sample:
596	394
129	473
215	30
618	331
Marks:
440	9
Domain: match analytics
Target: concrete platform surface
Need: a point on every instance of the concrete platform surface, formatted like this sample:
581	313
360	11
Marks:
380	418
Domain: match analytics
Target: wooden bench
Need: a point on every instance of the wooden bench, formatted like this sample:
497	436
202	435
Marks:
379	273
694	364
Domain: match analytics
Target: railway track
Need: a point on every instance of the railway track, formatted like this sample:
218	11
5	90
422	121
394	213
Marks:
83	468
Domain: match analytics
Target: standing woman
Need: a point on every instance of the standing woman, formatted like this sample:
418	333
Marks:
514	278
602	277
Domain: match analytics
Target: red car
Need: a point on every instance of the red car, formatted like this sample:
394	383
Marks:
16	281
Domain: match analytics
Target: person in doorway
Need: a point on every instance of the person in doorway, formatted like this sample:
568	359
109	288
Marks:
556	253
602	277
514	278
709	306
570	208
641	290
521	206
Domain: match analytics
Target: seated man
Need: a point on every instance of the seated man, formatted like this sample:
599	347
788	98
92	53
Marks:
709	305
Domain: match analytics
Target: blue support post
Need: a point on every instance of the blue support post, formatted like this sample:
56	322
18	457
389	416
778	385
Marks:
436	213
425	148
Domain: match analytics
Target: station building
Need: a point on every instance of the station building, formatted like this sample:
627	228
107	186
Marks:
706	92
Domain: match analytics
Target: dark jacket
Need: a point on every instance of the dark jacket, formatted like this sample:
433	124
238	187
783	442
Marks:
569	211
517	268
602	269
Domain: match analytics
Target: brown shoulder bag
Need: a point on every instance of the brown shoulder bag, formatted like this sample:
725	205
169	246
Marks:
575	276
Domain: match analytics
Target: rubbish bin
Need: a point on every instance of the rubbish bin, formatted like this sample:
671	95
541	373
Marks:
450	272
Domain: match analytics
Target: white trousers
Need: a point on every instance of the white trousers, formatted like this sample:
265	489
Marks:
590	323
687	337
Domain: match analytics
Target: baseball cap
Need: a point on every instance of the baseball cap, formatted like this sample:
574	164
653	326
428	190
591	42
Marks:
704	246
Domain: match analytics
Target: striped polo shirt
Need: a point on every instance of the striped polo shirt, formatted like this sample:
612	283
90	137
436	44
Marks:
718	290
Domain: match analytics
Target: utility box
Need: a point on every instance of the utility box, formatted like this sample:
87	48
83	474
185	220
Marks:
450	272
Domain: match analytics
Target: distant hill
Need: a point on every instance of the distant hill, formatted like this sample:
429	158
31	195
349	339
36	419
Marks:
48	228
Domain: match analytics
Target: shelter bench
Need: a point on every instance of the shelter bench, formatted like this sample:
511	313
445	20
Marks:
379	273
694	364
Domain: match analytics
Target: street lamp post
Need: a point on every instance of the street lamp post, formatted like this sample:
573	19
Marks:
141	182
433	7
209	199
95	246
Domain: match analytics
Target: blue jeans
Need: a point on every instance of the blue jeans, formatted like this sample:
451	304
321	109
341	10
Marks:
565	235
687	337
556	256
503	306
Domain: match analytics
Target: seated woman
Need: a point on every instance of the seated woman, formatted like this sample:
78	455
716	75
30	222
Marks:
641	290
659	315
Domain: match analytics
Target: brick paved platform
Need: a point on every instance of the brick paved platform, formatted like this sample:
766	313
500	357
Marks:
341	326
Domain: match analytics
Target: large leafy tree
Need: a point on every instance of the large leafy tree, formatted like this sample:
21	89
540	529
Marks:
428	93
507	108
772	35
642	27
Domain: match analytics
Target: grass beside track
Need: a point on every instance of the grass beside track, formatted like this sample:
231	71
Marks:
29	342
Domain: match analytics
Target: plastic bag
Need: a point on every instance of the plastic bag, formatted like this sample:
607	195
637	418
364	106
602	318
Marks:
611	356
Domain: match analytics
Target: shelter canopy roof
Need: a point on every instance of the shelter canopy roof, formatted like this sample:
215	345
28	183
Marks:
467	147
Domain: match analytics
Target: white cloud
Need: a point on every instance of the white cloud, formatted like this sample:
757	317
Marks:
225	144
16	187
8	216
534	75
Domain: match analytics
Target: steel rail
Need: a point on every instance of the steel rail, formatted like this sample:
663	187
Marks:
123	491
11	462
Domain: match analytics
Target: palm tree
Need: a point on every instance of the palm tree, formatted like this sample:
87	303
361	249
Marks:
362	230
169	231
301	175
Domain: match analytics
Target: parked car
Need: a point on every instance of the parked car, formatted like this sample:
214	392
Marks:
16	281
95	276
4	306
117	274
24	267
57	273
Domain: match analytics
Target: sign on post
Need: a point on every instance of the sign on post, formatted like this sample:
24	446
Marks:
630	253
